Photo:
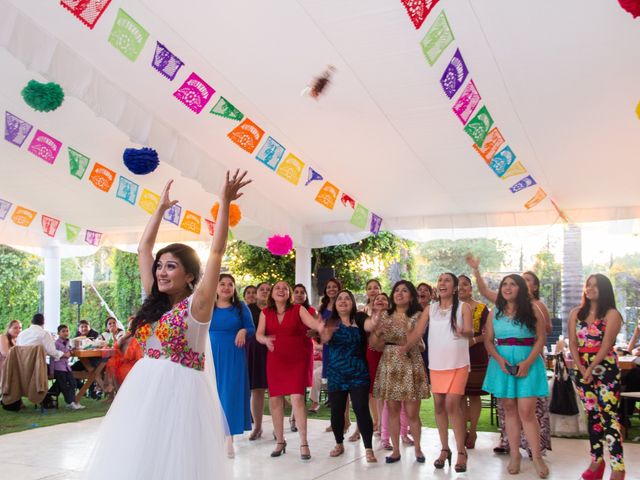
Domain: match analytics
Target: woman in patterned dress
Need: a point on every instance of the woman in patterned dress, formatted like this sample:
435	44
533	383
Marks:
166	421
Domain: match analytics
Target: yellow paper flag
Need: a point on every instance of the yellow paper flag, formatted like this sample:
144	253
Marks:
536	199
191	221
149	201
328	195
516	169
638	110
291	169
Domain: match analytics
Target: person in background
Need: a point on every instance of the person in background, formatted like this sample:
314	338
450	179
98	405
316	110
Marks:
85	330
64	381
7	342
250	294
593	328
631	380
113	333
37	335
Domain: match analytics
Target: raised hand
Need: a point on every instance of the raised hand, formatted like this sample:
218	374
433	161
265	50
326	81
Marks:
473	262
165	202
233	185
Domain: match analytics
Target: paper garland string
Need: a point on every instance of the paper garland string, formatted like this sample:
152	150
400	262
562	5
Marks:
78	163
271	153
291	169
224	108
327	195
16	130
454	75
360	217
87	11
312	176
376	223
194	93
166	62
437	38
5	206
45	146
247	135
102	177
418	10
536	199
523	183
128	36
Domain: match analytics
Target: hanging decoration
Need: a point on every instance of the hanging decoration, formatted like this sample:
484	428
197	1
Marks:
224	108
87	11
49	225
43	97
312	176
102	177
376	223
78	163
437	38
247	135
467	102
536	199
291	169
194	93
23	216
128	36
360	217
523	183
492	143
127	190
418	10
166	62
502	161
235	215
173	213
631	6
280	245
45	146
327	195
191	222
211	226
454	75
479	126
92	238
271	153
563	216
347	200
5	206
16	130
517	168
141	161
149	201
638	110
72	231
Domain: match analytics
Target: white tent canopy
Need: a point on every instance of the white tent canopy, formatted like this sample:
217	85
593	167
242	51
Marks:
560	80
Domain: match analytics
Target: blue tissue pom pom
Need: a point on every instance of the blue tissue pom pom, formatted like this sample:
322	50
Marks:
141	160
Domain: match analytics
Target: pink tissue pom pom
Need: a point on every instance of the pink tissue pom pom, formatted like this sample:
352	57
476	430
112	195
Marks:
280	244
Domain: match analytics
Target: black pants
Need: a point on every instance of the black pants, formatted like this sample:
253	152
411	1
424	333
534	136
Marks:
65	383
360	404
630	383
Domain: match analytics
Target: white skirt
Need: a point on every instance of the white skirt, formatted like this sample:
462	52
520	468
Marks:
166	422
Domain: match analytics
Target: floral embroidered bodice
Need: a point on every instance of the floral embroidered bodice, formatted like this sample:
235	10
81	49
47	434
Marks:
177	336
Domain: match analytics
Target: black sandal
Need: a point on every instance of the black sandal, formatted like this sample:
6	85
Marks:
305	456
439	463
461	467
279	451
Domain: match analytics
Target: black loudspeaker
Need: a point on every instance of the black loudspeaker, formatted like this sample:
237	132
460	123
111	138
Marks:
75	292
324	275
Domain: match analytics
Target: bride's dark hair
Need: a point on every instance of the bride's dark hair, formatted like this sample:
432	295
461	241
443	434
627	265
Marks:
158	303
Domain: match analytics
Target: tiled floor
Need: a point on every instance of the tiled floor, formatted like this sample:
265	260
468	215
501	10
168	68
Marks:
59	453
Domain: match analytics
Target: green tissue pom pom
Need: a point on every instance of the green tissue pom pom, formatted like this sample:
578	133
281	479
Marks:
43	97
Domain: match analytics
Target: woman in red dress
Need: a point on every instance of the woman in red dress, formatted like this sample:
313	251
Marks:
283	329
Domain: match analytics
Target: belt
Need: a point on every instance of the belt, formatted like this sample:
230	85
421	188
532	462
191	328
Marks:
516	342
589	349
390	343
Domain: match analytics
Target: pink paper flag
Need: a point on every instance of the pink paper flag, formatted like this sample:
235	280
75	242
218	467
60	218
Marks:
45	146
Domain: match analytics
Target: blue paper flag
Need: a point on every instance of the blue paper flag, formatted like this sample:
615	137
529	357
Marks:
271	153
523	183
313	175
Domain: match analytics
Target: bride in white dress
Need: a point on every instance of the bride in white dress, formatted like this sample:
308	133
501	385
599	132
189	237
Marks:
166	421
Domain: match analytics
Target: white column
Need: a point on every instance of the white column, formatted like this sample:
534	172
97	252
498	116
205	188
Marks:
51	288
303	268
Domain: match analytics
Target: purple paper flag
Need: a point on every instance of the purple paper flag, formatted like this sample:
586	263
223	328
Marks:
523	183
5	206
16	130
173	214
376	223
467	102
166	62
45	146
92	238
313	175
454	75
194	93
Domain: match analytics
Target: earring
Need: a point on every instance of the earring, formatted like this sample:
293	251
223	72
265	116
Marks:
190	285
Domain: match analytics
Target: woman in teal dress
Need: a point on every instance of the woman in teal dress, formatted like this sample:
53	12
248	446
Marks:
515	336
230	326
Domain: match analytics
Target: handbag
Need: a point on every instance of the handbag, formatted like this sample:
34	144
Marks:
563	394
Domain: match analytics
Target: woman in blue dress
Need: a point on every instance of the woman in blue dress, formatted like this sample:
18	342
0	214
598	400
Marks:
514	339
230	326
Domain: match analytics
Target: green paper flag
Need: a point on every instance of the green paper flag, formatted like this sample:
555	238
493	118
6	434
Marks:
437	39
78	163
230	235
360	217
478	127
224	108
128	36
72	232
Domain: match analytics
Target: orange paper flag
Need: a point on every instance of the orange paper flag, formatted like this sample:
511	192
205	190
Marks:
327	195
191	221
23	216
247	135
536	199
102	177
491	145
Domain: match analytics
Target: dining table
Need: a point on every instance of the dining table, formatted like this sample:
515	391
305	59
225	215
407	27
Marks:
92	373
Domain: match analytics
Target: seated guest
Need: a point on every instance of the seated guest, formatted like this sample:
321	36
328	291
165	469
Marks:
37	335
65	382
113	334
85	330
7	341
631	380
127	353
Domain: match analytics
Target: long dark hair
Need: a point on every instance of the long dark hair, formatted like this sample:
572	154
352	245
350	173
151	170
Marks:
158	303
524	311
235	300
306	303
373	280
271	303
12	340
324	303
334	319
455	301
414	306
423	284
536	282
606	298
244	290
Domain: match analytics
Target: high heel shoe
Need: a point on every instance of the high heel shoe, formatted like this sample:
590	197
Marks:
292	424
279	451
256	434
470	441
461	467
305	456
596	474
439	462
420	459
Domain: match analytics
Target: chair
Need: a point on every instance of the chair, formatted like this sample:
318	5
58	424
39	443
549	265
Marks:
491	404
25	375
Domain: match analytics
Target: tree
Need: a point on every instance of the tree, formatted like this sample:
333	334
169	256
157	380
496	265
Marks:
128	289
252	265
549	272
19	285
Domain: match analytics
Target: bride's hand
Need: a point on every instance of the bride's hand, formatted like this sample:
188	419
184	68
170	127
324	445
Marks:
165	202
232	186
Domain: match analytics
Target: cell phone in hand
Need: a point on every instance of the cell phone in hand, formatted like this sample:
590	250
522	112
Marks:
512	369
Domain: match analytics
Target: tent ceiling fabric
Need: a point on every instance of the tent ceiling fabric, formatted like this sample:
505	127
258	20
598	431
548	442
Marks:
559	78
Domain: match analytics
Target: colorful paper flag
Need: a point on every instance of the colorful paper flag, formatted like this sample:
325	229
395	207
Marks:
467	102
23	216
211	226
173	214
536	199
418	10
563	216
638	110
45	146
376	223
327	195
291	169
454	75
492	143
16	130
312	176
149	201
92	238
49	225
194	93
437	39
78	163
128	36
502	161
347	200
191	222
523	183
224	108
127	190
5	206
166	62
247	135
102	177
479	126
517	168
72	231
360	217
271	153
87	11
